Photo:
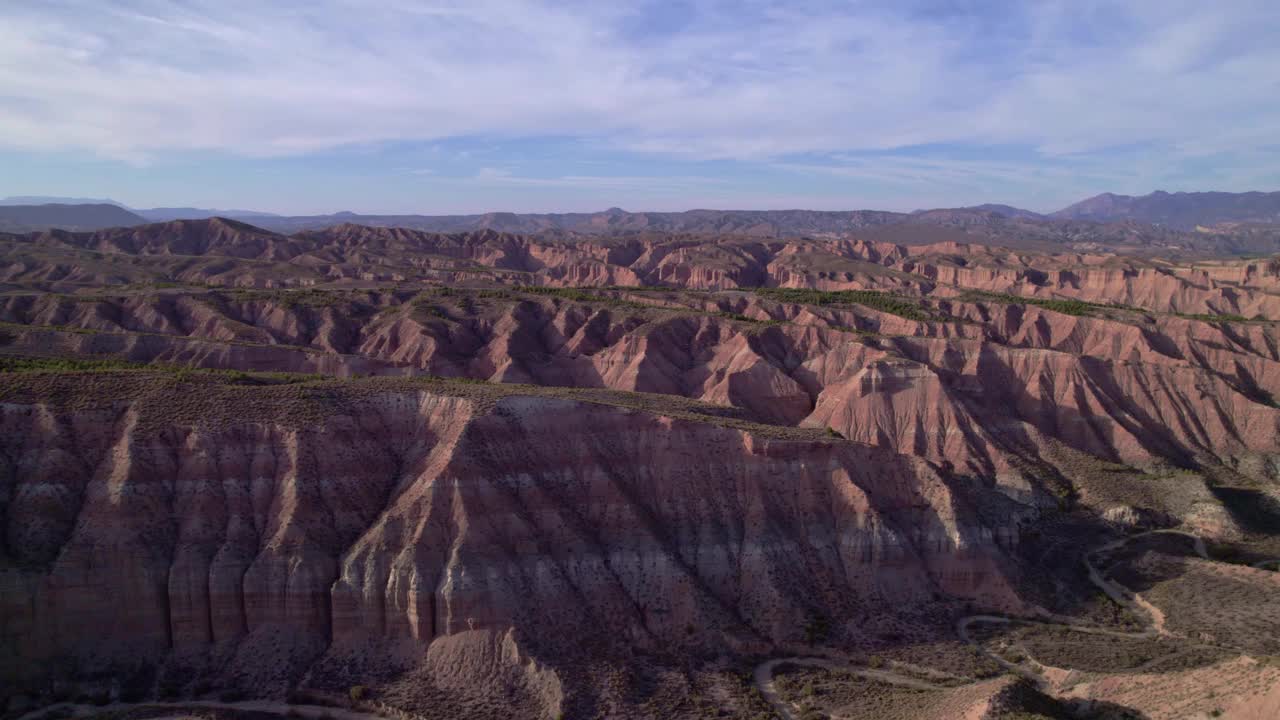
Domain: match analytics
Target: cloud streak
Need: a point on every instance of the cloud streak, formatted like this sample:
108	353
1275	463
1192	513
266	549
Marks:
759	81
748	80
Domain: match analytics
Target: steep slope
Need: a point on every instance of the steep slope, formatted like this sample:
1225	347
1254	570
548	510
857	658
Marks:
257	530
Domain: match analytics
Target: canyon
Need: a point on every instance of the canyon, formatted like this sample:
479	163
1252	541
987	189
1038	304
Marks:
498	474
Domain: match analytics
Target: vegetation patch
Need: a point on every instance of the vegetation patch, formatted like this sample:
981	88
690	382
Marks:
13	364
817	628
291	299
1066	307
29	364
1220	317
820	693
169	395
739	317
876	300
575	294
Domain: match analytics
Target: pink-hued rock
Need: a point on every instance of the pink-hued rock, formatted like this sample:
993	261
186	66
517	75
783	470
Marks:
706	262
422	517
964	391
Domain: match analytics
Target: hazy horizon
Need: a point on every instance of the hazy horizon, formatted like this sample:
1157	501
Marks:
42	199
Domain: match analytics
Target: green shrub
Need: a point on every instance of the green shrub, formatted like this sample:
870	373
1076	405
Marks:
23	364
1220	317
358	693
180	373
582	295
817	628
874	299
290	299
1066	307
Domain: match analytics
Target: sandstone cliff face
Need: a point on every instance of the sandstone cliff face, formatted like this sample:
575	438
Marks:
402	519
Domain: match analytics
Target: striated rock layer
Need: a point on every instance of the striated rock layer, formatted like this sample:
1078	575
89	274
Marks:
401	518
463	468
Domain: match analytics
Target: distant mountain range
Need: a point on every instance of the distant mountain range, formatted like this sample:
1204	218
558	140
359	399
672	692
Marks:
91	216
1199	222
160	214
55	200
1184	211
1006	210
188	213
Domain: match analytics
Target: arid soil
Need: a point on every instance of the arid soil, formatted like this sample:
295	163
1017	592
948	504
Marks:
494	475
1227	667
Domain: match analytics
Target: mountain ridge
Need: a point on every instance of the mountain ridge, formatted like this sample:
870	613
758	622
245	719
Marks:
1182	210
1210	223
23	218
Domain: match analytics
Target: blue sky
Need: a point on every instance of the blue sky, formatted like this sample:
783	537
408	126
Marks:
459	107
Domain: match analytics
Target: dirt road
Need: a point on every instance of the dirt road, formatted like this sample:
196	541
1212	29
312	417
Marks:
763	674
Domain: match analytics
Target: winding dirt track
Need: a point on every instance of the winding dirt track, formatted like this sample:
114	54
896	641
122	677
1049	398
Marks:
764	672
764	678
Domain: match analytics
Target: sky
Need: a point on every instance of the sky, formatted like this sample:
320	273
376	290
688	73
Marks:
438	107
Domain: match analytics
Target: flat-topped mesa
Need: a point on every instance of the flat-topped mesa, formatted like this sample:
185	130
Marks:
401	517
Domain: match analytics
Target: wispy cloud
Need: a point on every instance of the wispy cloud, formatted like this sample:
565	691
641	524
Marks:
713	79
630	183
701	80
